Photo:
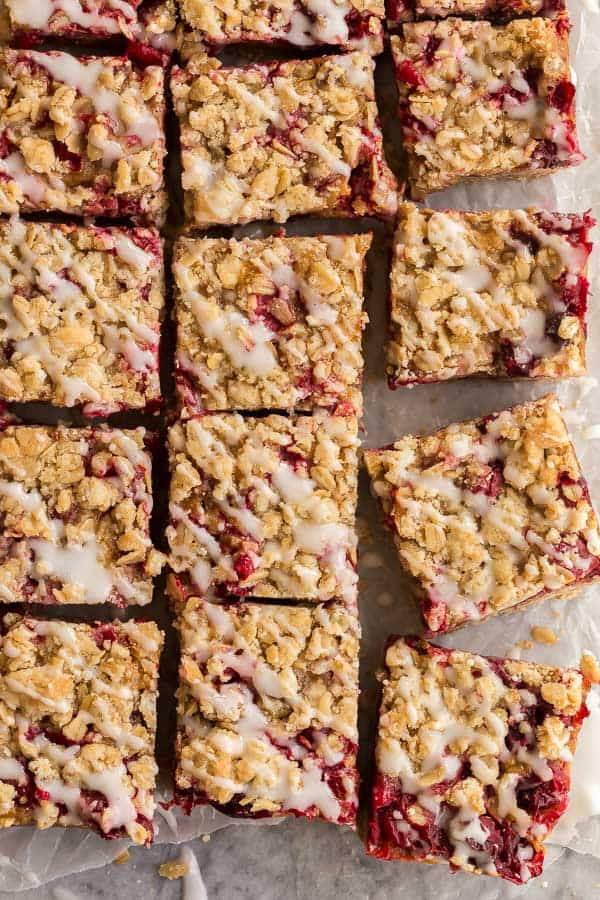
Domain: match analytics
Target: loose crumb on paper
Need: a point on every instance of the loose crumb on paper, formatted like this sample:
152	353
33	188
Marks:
173	868
186	867
122	857
590	666
543	635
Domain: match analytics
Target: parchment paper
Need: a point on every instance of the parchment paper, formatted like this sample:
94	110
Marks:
29	858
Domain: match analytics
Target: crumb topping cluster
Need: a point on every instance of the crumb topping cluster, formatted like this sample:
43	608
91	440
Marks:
489	514
263	506
81	135
473	758
77	725
75	508
274	140
267	709
81	310
305	23
91	18
476	99
270	324
498	293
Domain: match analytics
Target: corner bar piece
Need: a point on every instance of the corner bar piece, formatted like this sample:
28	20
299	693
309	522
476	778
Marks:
263	506
75	509
489	515
78	725
480	100
81	135
501	293
279	139
270	324
473	758
267	710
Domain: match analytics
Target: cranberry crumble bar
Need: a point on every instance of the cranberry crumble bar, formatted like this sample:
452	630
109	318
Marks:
473	758
81	135
31	20
263	506
274	140
493	10
268	697
490	514
80	315
305	23
498	293
78	725
270	324
479	100
75	507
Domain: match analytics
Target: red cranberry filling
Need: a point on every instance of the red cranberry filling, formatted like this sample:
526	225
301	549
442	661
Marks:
244	566
561	97
408	73
489	482
431	48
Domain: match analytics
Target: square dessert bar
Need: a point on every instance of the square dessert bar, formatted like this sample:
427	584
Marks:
78	725
274	140
88	19
399	11
82	309
489	515
267	710
480	100
263	506
306	23
75	507
473	758
270	324
81	135
501	293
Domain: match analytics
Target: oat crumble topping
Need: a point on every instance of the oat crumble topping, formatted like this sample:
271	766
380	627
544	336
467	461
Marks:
78	723
278	139
501	293
81	135
267	709
263	506
481	100
489	514
80	315
75	509
270	324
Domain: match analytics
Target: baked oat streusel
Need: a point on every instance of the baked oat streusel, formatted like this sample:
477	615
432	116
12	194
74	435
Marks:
263	506
75	509
31	20
399	11
78	723
80	315
273	140
270	324
267	709
351	24
81	135
476	99
473	758
499	293
490	514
